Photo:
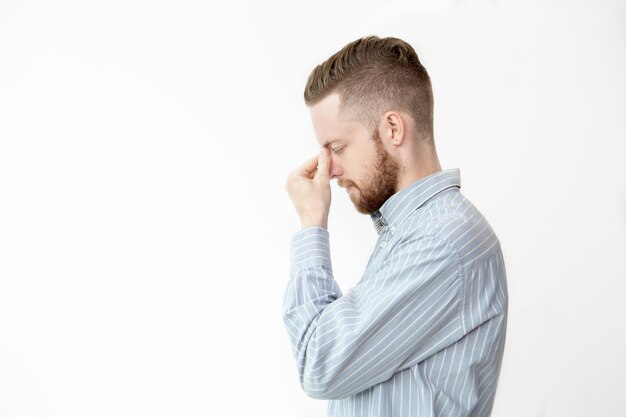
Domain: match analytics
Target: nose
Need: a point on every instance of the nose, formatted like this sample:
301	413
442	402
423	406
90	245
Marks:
335	169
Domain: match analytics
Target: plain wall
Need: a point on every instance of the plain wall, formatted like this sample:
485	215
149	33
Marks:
144	224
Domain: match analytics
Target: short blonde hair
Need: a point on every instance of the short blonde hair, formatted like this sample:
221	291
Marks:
373	75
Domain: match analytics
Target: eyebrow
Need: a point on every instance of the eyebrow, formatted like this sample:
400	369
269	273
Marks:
330	142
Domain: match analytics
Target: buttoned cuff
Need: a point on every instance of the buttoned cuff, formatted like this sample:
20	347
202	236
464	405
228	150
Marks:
310	247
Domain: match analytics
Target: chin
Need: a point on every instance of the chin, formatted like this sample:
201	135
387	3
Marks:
360	208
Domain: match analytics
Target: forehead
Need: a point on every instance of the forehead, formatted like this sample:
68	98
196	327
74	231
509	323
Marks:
328	124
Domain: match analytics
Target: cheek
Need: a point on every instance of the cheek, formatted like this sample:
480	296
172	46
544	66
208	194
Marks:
355	175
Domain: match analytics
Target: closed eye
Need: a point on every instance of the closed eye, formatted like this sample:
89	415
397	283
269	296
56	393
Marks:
337	150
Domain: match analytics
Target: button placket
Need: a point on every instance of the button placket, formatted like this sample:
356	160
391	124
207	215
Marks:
385	237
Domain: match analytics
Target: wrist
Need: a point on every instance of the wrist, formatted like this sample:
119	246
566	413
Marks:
306	223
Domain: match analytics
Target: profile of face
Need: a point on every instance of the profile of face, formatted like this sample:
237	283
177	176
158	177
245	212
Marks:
359	161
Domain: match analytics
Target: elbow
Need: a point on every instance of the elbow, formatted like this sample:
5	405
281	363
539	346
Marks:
319	393
321	389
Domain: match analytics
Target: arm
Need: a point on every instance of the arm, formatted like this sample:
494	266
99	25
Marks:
407	311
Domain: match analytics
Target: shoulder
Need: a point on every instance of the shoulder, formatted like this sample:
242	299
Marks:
453	219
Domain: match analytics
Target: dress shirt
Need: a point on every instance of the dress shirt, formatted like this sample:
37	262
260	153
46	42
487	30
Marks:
422	333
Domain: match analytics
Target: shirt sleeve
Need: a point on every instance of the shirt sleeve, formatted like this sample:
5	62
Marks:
406	309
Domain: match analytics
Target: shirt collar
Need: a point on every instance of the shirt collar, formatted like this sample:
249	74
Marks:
410	198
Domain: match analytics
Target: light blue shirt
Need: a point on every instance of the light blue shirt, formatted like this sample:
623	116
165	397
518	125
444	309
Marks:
422	333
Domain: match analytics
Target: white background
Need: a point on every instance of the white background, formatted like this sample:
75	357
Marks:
144	225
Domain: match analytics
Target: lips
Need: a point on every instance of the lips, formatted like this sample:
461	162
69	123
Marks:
346	185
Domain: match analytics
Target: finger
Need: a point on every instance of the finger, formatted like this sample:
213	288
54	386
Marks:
308	168
323	165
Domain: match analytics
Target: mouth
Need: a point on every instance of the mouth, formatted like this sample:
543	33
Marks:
346	186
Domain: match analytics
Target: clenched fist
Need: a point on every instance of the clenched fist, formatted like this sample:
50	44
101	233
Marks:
309	190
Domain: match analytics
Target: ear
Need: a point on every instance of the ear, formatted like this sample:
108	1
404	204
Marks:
394	127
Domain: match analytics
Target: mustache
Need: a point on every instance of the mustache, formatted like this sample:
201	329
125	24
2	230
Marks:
344	184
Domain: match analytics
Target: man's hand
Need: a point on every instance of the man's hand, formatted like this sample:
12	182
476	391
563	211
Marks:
309	190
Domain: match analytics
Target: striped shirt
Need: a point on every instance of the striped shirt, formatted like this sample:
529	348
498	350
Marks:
422	333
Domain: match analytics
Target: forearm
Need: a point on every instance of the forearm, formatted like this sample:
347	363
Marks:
310	290
344	344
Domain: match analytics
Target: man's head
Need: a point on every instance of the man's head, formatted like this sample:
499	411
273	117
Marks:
372	106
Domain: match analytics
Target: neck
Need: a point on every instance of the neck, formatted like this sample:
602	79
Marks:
418	168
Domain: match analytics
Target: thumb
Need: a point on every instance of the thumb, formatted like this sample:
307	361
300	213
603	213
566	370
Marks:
323	164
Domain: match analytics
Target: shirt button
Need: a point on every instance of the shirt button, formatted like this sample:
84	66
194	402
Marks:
383	244
393	229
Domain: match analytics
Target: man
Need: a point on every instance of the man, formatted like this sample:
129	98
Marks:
423	331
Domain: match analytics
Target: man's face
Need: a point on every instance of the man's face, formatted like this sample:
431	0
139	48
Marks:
359	161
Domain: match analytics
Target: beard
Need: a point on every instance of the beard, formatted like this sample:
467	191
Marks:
380	182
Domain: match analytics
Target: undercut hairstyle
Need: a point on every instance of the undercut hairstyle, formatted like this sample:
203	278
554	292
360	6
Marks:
374	75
